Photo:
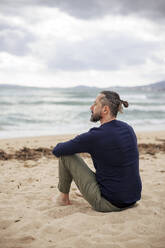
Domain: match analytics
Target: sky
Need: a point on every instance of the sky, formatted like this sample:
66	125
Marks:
63	43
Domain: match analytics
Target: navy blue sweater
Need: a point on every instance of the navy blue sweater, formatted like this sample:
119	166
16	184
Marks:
114	151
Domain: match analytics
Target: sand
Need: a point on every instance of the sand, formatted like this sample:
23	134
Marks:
29	218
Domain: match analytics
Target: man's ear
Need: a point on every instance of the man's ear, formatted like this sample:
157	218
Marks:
106	109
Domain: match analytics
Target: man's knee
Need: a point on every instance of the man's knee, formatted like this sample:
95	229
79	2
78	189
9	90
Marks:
64	158
67	160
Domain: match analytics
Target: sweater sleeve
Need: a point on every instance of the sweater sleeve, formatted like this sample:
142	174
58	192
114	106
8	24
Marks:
81	143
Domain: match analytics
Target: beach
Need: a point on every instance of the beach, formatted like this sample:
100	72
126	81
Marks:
29	217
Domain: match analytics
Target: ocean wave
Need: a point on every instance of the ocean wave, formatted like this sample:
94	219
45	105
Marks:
55	103
5	103
151	102
16	120
40	102
143	108
134	96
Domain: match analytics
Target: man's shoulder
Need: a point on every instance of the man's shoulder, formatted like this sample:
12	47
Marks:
123	124
94	130
126	127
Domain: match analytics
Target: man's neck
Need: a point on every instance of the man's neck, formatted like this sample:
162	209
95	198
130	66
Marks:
107	119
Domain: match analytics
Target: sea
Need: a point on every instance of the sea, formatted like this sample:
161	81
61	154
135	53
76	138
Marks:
31	111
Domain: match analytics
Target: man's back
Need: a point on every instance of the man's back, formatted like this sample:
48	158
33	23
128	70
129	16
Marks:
116	159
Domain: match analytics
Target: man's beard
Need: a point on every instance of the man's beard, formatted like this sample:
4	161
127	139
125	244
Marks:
95	117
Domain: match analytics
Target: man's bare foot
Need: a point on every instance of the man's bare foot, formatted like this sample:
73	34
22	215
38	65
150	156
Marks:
62	200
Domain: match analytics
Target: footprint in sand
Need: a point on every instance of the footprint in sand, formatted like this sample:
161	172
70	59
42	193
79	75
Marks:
27	239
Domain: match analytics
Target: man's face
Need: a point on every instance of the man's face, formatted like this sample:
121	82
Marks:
96	109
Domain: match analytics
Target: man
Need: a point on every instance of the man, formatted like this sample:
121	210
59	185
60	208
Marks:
116	185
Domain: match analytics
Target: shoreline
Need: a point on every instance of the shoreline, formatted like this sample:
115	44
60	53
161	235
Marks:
143	132
52	140
4	134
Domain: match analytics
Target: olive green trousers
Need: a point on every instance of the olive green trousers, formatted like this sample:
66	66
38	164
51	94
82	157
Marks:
74	168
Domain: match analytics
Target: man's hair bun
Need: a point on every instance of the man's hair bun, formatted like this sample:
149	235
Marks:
125	103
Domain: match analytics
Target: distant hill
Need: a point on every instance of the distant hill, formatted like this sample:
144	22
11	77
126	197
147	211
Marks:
159	86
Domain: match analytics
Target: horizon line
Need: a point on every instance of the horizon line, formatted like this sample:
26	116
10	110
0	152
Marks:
79	85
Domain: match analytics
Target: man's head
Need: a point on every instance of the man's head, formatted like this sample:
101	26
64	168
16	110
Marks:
106	106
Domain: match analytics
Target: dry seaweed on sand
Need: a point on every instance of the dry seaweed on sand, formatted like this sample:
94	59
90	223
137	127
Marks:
36	153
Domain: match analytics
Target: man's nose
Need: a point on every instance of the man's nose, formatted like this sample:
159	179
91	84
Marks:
91	107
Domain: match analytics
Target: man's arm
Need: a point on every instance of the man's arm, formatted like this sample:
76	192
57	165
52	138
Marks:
81	143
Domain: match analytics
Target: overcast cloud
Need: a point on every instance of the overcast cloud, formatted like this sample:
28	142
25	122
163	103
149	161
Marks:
97	42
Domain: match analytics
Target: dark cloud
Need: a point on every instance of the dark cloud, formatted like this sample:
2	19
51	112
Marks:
153	9
108	52
88	9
